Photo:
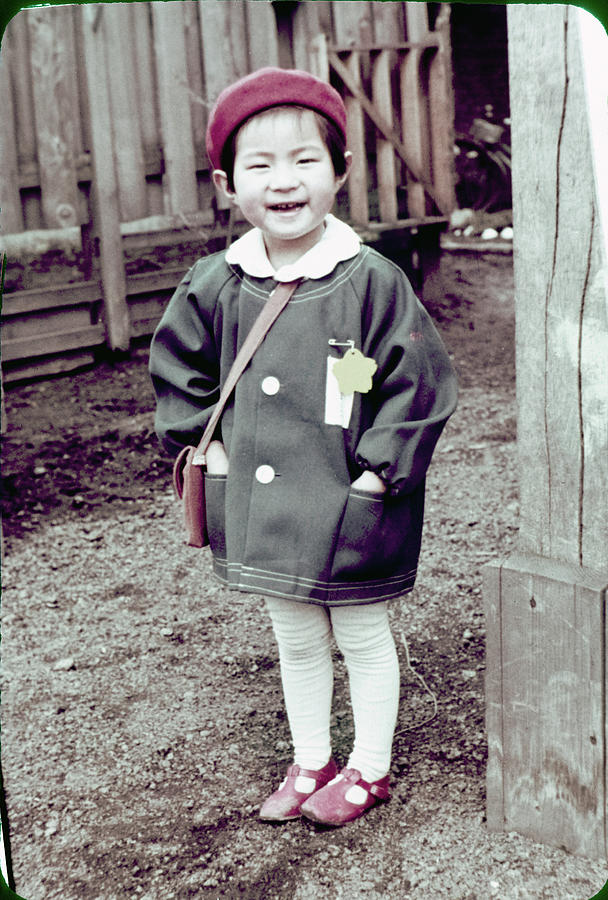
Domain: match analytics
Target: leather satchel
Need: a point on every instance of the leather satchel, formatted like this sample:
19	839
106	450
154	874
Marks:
189	467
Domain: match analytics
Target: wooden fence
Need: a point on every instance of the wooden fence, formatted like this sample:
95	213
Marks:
104	115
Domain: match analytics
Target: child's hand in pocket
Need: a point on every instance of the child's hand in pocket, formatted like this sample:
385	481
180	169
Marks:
369	481
217	459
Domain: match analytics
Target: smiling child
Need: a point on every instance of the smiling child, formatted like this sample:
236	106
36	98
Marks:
315	478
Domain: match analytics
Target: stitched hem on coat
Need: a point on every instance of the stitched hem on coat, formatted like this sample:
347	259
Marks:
239	578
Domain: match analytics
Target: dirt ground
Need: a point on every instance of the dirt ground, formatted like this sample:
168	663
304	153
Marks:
142	714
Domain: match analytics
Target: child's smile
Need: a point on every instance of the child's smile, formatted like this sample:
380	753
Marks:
284	181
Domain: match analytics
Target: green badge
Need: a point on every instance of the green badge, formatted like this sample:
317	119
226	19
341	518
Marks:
354	372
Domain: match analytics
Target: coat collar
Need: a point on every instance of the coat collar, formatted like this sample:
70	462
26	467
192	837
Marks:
338	243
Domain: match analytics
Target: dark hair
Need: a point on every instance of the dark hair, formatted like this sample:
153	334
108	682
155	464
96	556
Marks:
330	135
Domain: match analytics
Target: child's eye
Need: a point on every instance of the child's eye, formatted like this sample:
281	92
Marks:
307	159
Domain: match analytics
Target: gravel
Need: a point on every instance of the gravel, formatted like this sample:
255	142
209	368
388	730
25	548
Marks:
143	722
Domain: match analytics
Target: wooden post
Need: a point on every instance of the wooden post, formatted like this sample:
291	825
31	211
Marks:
106	216
546	606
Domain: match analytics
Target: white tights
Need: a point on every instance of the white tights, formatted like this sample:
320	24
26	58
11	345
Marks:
363	635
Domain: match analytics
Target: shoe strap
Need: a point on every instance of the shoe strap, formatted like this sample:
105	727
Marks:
375	788
316	774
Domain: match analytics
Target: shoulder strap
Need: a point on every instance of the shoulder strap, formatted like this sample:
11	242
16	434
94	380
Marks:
273	307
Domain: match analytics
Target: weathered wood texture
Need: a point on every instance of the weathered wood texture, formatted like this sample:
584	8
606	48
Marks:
546	607
105	108
394	73
546	702
562	320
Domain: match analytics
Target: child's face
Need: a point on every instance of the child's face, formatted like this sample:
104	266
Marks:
284	180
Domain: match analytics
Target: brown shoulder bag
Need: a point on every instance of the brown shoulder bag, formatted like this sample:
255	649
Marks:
189	467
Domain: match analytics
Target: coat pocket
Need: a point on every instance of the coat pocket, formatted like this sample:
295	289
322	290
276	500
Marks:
378	538
215	505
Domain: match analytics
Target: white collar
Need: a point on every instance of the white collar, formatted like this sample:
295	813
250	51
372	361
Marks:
338	242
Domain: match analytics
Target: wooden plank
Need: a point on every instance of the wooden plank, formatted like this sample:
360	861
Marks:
37	324
493	696
441	116
43	368
262	39
179	181
72	97
105	198
48	31
306	27
23	303
147	99
126	125
351	23
385	156
83	97
194	68
417	20
46	344
387	21
319	58
17	35
357	185
11	214
415	126
224	40
553	705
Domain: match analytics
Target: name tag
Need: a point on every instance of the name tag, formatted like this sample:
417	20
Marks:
338	406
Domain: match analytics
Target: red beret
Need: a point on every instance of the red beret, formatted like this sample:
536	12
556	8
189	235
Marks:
262	90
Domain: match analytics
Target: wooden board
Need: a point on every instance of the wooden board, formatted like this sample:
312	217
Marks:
415	124
53	92
357	185
179	181
44	367
140	15
126	127
385	156
262	43
224	45
53	342
11	215
441	115
352	23
551	673
17	36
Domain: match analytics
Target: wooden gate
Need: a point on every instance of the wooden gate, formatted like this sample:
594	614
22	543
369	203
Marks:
102	146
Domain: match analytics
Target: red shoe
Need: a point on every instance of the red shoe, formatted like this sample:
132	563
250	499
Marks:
330	806
285	803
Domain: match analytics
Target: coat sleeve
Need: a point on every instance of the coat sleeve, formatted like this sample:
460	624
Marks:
184	366
414	390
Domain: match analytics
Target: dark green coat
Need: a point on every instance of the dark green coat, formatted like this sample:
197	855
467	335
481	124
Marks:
285	520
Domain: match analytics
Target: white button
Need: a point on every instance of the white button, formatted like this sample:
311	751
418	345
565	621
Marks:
271	385
264	474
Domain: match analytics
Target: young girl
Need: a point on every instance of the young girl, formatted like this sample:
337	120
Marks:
315	478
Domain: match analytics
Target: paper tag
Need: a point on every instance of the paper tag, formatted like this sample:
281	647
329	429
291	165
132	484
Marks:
338	406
